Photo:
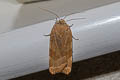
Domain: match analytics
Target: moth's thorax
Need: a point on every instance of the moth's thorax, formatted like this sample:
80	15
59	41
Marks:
61	21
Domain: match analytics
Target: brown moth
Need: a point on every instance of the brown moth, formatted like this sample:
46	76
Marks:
60	51
60	48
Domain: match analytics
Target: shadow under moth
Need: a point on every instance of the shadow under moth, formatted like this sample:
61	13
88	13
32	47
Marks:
60	48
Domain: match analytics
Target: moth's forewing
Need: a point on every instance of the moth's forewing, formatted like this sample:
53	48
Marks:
60	51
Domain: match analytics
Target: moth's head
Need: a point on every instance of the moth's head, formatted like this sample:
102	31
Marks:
61	21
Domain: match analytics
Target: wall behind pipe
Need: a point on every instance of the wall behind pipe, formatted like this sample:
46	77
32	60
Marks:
14	15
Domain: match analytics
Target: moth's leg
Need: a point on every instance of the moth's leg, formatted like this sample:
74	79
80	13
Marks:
74	38
71	25
66	77
54	77
47	35
56	19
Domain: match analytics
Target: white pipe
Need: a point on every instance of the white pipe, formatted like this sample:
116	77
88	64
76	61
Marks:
25	50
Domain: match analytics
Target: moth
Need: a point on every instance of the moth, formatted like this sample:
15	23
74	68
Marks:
60	48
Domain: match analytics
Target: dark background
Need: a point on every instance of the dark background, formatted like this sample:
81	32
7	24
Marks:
83	69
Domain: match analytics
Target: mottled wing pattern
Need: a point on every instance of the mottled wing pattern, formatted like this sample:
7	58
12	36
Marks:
60	56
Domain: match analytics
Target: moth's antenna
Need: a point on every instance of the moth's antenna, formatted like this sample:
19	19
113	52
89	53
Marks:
68	15
50	12
64	17
74	19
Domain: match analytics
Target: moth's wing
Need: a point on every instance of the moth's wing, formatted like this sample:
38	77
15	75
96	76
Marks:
68	51
60	49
